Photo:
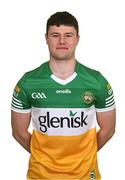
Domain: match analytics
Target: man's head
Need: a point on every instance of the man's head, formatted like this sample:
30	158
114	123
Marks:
62	18
62	36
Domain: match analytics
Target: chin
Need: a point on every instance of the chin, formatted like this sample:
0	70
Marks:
61	58
65	57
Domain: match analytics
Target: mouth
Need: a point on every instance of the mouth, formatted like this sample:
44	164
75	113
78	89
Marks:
62	48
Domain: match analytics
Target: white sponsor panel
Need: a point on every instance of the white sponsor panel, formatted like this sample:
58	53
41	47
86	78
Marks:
63	121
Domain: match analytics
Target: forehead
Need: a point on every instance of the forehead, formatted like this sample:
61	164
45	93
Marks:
61	29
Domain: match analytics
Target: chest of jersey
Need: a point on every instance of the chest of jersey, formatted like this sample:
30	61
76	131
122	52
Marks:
48	93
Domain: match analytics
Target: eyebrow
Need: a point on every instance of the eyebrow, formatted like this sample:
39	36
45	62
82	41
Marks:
59	33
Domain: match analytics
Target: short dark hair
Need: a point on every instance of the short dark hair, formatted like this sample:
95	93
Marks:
62	18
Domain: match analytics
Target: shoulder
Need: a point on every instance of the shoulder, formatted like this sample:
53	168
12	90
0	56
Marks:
89	72
33	76
91	77
36	73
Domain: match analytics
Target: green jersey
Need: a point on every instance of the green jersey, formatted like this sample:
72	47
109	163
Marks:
63	143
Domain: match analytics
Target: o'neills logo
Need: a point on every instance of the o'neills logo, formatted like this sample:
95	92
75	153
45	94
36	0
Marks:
60	122
63	91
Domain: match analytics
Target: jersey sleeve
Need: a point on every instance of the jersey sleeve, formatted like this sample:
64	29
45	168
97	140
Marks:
20	102
105	97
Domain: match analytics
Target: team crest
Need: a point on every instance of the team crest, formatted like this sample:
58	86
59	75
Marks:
88	97
109	89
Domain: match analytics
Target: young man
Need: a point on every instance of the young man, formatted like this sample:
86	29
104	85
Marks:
64	99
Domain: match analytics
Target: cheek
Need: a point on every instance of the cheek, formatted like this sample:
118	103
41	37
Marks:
73	45
51	44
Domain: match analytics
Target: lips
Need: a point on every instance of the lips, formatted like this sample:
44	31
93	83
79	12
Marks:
61	48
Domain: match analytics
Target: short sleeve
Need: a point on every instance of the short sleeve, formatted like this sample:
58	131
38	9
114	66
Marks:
105	97
20	102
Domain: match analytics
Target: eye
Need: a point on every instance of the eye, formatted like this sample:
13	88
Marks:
69	35
55	35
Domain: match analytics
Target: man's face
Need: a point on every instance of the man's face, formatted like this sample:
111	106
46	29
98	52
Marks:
62	42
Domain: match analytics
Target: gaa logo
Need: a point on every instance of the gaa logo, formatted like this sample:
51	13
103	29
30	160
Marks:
38	95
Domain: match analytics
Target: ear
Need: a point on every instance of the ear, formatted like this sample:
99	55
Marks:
46	37
78	37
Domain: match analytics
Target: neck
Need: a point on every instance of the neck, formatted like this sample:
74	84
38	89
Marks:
62	68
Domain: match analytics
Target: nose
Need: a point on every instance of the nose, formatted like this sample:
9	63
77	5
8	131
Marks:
62	39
